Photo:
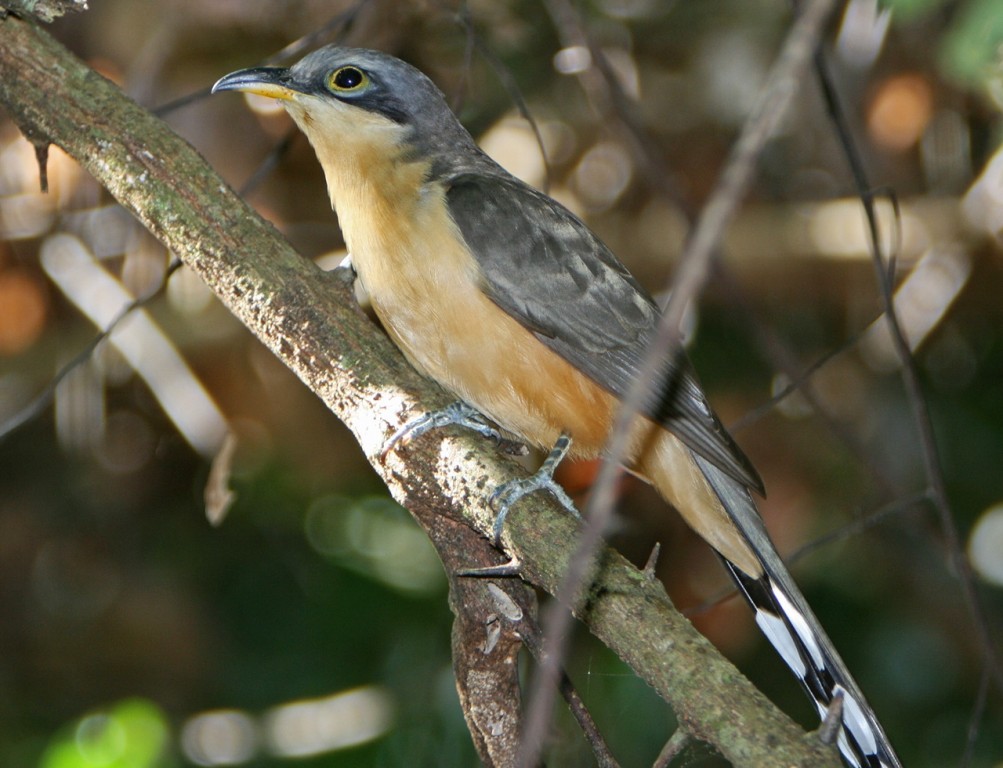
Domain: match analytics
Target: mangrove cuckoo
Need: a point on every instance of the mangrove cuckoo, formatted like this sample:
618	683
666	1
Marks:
509	301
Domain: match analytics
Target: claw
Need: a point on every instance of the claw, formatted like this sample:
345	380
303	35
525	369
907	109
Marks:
458	413
506	495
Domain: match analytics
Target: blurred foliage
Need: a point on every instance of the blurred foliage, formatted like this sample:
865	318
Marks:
132	734
908	9
972	46
125	617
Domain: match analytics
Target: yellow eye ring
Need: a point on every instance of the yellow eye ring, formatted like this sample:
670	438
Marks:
347	79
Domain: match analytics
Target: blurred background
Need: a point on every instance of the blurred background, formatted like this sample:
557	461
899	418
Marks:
310	628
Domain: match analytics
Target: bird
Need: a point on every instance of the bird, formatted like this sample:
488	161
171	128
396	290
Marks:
511	303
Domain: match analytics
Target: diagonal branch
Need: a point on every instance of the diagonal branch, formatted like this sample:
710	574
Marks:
312	323
687	282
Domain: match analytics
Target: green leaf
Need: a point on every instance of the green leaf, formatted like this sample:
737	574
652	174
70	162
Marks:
132	734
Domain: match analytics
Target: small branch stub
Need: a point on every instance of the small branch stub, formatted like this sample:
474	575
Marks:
42	155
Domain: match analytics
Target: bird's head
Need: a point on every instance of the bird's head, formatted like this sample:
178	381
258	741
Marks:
359	106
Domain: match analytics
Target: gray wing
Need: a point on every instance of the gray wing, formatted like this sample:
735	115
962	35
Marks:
544	267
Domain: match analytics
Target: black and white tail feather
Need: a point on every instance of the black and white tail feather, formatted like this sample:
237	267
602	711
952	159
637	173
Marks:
784	617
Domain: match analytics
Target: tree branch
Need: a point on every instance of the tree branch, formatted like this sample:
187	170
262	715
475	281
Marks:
311	321
44	10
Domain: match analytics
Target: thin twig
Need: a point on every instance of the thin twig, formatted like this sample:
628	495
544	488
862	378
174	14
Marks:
795	383
673	748
345	19
604	757
605	93
42	400
269	163
782	359
771	108
974	721
859	525
511	87
910	379
832	723
182	101
469	43
853	528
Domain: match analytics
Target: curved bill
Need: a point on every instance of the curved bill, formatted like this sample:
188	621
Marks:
274	82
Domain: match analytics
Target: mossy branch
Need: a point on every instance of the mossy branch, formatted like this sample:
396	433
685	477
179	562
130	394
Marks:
43	10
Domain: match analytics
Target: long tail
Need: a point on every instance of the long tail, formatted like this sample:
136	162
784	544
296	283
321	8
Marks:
783	615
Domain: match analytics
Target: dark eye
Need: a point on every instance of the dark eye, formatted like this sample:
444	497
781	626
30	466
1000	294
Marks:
348	79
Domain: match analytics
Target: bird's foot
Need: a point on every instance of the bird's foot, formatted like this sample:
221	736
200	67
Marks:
458	413
506	495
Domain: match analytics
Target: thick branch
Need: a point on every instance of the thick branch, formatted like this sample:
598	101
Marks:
310	320
44	10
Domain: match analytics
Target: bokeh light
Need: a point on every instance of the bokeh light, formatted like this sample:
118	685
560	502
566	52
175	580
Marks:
900	111
985	545
131	734
375	536
921	302
512	144
315	726
602	175
222	737
73	268
24	307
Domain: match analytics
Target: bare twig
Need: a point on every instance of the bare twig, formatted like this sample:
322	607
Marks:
345	20
530	632
42	400
833	720
508	82
770	109
469	44
605	93
860	524
678	741
856	526
957	560
652	562
269	163
975	719
800	381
